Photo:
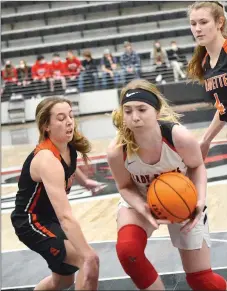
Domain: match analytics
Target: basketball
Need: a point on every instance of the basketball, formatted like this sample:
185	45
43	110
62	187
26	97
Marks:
172	196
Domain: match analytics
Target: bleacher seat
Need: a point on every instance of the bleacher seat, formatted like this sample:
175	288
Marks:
173	23
62	4
56	26
62	37
101	14
32	7
25	42
99	32
6	27
152	7
7	11
169	5
65	19
138	27
24	25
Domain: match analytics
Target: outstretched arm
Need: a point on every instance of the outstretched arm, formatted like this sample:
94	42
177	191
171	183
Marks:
214	128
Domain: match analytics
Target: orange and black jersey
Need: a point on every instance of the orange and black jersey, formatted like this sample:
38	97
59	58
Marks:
216	81
32	201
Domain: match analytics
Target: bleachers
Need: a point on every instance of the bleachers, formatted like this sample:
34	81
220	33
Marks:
39	27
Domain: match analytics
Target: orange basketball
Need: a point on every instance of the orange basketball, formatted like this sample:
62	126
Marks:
172	196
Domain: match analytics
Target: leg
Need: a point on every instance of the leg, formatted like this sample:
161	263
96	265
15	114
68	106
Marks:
194	249
123	77
81	81
137	72
175	71
56	282
104	80
88	263
63	82
116	79
197	266
51	81
133	231
62	258
96	80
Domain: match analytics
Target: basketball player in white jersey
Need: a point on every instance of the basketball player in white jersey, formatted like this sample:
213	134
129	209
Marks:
150	141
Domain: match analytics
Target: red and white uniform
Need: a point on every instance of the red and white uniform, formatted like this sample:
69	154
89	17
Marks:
143	174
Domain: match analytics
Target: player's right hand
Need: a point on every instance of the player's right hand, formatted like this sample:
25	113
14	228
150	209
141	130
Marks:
150	217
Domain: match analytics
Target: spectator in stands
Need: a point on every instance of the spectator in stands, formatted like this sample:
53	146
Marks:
130	63
10	78
109	69
24	79
176	59
40	75
89	72
73	66
160	61
57	73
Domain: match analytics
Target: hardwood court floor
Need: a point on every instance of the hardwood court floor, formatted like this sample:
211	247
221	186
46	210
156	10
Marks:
14	155
98	217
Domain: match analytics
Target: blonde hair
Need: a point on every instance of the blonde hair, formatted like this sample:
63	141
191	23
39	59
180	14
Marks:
79	142
195	69
125	136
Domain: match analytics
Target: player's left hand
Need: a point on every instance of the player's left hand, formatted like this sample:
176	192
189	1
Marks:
194	218
94	186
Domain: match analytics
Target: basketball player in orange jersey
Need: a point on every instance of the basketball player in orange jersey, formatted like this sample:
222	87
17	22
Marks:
43	218
209	62
150	141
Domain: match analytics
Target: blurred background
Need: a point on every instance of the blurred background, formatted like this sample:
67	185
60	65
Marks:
88	48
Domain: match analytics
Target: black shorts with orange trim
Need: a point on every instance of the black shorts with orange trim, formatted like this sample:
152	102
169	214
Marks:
45	238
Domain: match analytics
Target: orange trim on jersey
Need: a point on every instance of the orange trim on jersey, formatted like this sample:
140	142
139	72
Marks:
48	145
169	144
40	227
225	46
204	59
36	197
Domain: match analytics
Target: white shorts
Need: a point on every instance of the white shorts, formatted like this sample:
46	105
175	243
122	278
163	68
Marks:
190	241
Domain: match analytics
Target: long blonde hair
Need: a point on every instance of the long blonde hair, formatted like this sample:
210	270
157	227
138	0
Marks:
195	69
125	136
79	142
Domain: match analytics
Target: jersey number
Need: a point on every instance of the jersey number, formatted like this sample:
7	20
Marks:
220	107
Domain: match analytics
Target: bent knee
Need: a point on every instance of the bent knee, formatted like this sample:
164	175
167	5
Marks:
91	267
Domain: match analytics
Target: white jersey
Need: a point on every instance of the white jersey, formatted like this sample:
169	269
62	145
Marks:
143	174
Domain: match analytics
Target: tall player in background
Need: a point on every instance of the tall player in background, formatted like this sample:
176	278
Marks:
209	62
147	146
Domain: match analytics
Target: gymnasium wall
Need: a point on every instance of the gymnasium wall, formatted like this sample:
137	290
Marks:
107	100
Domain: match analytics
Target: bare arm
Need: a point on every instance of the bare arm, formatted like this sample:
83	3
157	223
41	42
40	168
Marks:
189	149
125	185
50	171
80	177
214	128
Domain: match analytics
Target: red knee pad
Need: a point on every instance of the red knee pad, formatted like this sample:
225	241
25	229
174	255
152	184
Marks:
206	281
131	243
